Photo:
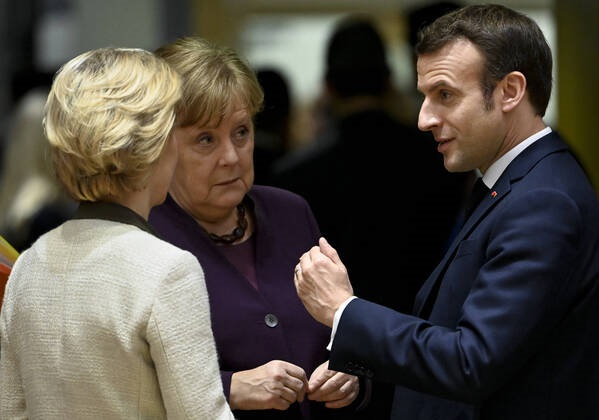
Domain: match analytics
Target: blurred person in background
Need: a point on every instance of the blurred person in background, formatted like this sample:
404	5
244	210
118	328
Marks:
32	200
272	124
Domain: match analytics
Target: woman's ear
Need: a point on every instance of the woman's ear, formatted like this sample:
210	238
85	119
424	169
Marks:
513	89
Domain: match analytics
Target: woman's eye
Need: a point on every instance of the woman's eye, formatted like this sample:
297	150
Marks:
242	134
204	139
243	131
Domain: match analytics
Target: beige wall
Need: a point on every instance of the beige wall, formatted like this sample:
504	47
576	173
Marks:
578	61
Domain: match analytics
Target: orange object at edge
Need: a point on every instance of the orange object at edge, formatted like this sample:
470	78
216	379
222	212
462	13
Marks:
4	272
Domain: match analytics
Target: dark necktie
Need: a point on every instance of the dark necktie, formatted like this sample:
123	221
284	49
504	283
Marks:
476	195
478	192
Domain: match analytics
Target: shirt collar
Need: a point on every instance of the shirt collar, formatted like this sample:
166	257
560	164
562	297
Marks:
114	212
498	167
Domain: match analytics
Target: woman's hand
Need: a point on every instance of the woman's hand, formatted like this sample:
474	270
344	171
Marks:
274	385
336	389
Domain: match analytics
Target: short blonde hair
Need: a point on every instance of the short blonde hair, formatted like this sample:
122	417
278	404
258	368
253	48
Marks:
107	118
214	78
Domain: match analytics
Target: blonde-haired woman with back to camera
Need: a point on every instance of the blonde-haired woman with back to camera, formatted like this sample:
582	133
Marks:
102	319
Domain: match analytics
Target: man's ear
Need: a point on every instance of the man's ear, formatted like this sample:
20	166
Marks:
513	90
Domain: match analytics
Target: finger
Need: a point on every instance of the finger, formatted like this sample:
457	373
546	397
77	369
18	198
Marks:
342	402
337	387
296	373
317	381
328	250
293	390
300	388
306	257
288	394
282	403
350	386
320	375
301	394
329	388
346	394
297	382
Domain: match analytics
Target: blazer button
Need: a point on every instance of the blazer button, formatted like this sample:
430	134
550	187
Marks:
271	320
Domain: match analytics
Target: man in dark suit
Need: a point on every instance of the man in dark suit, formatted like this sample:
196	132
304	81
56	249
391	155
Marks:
504	327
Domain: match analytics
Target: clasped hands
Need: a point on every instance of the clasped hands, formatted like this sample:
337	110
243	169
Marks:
278	384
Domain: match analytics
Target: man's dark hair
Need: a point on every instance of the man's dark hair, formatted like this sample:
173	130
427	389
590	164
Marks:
508	40
420	17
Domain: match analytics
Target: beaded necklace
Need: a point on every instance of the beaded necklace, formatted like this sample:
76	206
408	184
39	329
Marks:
237	233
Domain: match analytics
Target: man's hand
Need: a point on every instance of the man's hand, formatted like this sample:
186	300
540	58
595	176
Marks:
322	282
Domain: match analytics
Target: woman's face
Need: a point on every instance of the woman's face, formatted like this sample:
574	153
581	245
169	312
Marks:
215	168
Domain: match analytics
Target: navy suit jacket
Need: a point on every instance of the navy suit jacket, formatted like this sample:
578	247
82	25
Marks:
252	327
512	331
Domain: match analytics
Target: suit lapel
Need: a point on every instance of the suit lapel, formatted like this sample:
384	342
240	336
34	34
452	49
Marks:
499	190
517	169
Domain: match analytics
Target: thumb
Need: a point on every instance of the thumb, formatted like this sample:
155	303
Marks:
320	375
329	251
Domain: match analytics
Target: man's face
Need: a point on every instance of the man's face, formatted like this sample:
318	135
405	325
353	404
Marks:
469	130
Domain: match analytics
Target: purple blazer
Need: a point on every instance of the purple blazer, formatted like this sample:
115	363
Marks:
252	327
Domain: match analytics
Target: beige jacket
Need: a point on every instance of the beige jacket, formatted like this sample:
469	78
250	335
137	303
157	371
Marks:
102	320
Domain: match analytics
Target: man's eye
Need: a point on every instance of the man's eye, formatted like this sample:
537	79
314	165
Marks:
445	94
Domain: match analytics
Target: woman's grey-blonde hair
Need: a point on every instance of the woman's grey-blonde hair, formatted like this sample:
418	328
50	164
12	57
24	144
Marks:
107	118
214	79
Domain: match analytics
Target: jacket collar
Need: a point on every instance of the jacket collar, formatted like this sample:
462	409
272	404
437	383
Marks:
111	211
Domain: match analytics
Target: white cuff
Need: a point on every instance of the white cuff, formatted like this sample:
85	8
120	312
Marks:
336	319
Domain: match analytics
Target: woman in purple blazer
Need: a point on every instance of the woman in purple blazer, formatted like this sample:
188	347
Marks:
272	354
